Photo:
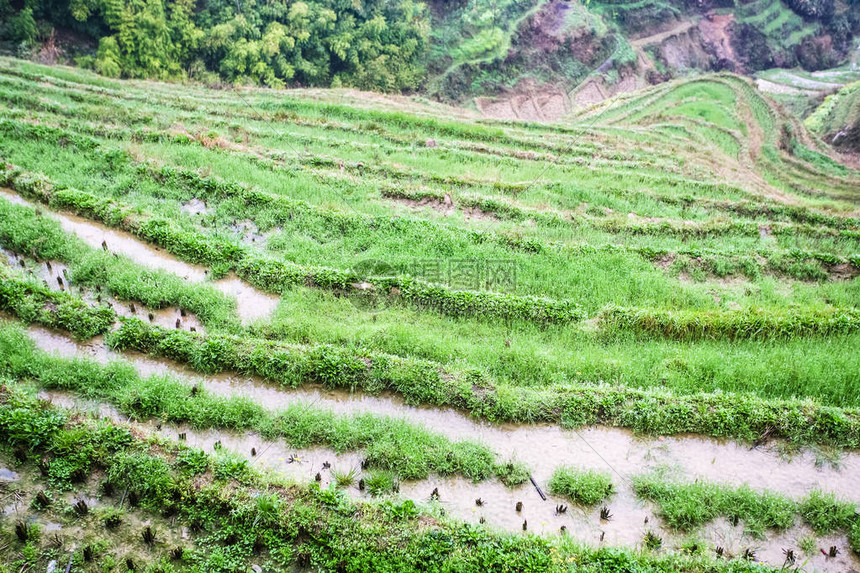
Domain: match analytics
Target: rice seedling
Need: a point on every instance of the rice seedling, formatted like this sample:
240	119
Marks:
585	487
345	478
42	500
81	508
652	541
148	536
24	531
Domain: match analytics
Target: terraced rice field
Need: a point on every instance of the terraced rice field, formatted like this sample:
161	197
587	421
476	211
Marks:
327	330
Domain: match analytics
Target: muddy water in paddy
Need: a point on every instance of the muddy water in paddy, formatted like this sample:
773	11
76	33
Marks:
251	303
542	447
118	242
56	276
457	497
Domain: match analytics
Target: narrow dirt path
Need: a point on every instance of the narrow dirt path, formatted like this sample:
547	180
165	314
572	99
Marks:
658	38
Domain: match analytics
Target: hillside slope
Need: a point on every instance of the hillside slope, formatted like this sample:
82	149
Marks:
541	57
837	120
339	330
598	49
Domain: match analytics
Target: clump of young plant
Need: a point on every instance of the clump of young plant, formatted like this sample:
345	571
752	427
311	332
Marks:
512	473
652	541
381	483
268	509
808	545
584	487
111	517
344	478
825	513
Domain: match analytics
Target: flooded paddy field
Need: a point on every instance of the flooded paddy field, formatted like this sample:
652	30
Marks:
313	330
542	448
251	303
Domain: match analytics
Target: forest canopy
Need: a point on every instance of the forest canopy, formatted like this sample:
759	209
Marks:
368	44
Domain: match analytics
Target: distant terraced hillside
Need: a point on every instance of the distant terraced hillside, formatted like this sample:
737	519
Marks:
837	119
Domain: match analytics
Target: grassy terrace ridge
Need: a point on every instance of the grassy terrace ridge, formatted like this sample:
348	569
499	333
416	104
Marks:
390	444
275	276
237	516
796	263
730	415
683	259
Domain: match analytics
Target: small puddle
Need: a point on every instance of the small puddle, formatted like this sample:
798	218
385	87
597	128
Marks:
631	518
10	509
195	207
249	233
8	475
252	304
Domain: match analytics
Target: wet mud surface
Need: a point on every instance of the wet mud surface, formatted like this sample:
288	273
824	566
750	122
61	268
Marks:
542	447
252	304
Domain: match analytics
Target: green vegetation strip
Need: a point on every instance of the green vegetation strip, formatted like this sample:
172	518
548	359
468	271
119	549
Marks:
275	275
237	516
739	416
626	225
502	209
408	451
686	506
749	323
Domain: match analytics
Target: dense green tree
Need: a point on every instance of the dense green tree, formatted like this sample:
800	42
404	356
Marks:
371	44
20	27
